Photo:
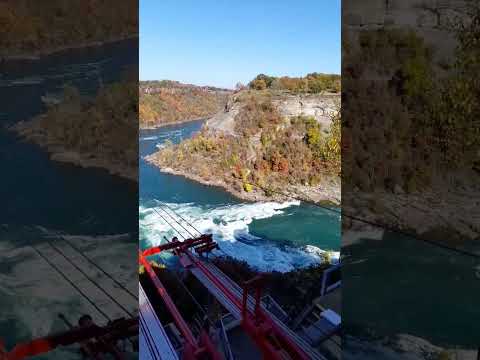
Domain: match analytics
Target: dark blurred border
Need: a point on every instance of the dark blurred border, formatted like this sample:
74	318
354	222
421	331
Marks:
410	178
69	152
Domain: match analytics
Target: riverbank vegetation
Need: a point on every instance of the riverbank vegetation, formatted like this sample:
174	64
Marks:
30	27
267	152
167	102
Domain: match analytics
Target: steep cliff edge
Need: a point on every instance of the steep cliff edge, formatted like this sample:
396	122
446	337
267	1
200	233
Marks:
322	107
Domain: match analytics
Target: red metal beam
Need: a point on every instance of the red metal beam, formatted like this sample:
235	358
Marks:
181	324
121	329
192	349
270	338
32	348
262	323
204	239
206	248
261	328
208	347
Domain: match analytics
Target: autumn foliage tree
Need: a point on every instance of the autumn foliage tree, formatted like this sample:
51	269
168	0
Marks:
312	83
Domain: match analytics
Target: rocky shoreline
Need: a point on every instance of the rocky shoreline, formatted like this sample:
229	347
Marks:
435	212
160	125
32	131
319	194
401	346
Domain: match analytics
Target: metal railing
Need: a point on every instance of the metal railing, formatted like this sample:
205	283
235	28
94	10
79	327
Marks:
227	351
326	275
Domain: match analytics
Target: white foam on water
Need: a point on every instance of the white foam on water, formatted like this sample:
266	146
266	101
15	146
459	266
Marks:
32	80
333	255
164	136
149	138
229	226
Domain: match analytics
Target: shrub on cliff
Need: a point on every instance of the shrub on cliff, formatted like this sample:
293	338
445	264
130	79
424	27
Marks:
247	187
258	85
263	79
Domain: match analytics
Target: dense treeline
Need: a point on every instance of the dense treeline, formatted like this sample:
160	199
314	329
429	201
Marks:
152	85
31	25
268	150
160	84
312	83
164	103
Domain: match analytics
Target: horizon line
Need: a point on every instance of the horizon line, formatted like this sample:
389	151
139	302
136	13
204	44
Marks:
233	87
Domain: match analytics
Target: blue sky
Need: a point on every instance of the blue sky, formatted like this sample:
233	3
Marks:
222	42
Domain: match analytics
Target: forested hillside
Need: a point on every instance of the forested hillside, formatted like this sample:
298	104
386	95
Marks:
31	26
167	102
253	150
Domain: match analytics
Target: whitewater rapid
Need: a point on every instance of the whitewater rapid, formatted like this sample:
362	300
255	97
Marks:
229	226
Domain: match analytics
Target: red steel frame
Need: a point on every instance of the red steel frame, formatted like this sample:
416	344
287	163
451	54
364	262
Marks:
128	327
273	342
179	246
192	349
270	338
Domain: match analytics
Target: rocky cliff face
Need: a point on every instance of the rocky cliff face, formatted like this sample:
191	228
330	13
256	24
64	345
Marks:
429	18
421	14
322	107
